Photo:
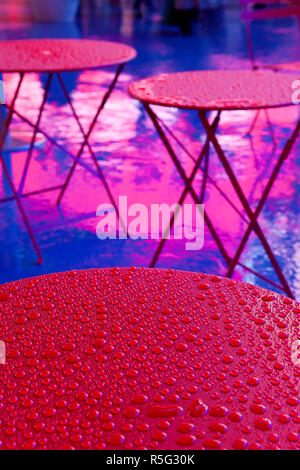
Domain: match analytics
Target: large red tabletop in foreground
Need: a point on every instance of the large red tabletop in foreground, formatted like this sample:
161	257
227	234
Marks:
61	55
216	89
139	358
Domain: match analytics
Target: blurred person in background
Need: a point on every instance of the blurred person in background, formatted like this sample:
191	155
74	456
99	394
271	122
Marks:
143	7
182	13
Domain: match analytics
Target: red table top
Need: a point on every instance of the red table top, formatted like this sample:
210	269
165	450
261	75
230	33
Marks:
216	90
60	55
138	358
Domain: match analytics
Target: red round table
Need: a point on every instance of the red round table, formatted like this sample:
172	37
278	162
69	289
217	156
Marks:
135	358
206	91
53	57
220	90
61	55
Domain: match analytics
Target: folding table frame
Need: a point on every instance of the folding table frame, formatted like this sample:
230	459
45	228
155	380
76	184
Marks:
252	214
17	193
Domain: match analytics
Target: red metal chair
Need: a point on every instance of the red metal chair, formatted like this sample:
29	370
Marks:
271	10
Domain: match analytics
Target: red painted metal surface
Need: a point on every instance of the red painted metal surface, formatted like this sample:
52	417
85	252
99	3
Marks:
61	55
138	358
216	90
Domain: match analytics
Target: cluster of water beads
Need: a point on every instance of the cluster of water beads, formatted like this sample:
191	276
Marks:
36	55
216	89
135	358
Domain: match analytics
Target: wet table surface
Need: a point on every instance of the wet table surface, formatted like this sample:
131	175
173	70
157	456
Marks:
133	358
58	55
216	89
